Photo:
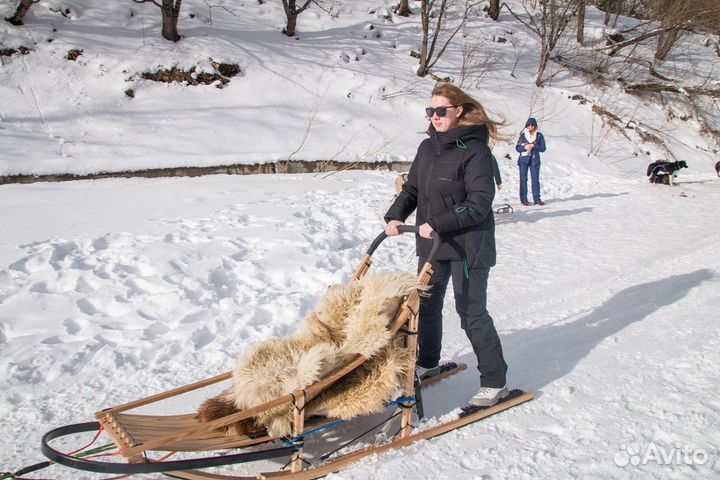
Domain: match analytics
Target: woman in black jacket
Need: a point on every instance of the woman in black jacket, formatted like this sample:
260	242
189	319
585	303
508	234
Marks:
450	184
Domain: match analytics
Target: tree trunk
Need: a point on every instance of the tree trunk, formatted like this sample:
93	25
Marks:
581	22
608	12
291	24
403	9
22	9
170	15
665	42
494	9
544	57
291	12
424	69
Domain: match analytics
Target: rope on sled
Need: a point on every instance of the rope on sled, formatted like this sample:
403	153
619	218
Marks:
350	442
39	466
296	443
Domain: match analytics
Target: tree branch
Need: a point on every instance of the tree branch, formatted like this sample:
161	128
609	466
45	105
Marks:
619	46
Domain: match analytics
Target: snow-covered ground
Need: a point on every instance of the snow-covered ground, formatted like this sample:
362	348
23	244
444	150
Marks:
606	299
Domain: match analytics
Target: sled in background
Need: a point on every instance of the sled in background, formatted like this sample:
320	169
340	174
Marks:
136	436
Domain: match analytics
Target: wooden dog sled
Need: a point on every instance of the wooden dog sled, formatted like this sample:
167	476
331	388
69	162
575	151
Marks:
138	437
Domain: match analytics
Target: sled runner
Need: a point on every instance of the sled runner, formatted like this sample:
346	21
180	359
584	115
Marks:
138	436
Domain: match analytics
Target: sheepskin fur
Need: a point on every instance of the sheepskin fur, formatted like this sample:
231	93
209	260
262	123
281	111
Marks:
351	319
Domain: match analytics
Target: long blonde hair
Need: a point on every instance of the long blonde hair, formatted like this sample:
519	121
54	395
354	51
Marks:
473	111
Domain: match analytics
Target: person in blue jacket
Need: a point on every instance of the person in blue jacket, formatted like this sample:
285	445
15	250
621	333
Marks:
530	144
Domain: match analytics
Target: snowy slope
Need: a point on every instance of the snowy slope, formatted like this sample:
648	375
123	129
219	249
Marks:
605	299
343	89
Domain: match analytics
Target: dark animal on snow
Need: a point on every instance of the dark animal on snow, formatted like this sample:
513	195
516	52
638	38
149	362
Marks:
664	172
717	168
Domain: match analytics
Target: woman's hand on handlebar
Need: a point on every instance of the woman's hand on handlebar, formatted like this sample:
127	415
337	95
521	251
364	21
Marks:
426	231
391	229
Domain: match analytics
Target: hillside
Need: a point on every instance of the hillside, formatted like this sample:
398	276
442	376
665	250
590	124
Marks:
342	89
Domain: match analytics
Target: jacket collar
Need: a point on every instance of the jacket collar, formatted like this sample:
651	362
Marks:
458	136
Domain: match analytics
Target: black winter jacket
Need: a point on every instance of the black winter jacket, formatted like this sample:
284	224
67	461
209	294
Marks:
451	185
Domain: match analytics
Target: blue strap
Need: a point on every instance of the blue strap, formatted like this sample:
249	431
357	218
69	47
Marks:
296	443
400	400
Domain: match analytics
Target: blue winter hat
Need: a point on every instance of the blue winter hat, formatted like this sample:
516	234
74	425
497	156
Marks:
531	121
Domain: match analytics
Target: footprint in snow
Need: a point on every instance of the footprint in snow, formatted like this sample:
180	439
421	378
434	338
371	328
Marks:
109	307
156	330
33	263
262	317
101	243
194	317
72	327
203	337
78	361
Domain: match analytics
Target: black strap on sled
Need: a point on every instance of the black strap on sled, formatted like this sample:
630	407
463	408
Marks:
418	398
150	467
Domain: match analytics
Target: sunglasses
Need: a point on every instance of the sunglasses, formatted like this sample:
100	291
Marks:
441	111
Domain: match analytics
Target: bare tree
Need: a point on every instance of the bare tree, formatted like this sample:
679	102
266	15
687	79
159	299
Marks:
20	11
292	10
428	54
477	62
609	8
613	49
679	18
170	14
548	20
581	22
669	21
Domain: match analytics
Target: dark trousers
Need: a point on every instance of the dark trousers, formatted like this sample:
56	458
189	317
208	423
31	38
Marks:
471	306
534	165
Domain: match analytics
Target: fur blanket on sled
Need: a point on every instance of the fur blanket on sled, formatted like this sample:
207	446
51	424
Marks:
349	320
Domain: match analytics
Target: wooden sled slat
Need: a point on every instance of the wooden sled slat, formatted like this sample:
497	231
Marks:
198	475
220	441
168	394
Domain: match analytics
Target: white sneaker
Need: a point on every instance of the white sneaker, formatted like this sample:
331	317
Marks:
425	373
488	396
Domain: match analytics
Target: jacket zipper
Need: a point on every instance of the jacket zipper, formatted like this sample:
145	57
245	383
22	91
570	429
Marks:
427	190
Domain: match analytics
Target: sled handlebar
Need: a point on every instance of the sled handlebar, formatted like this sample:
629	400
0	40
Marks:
408	229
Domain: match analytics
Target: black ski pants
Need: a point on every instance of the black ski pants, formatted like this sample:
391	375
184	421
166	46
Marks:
471	306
